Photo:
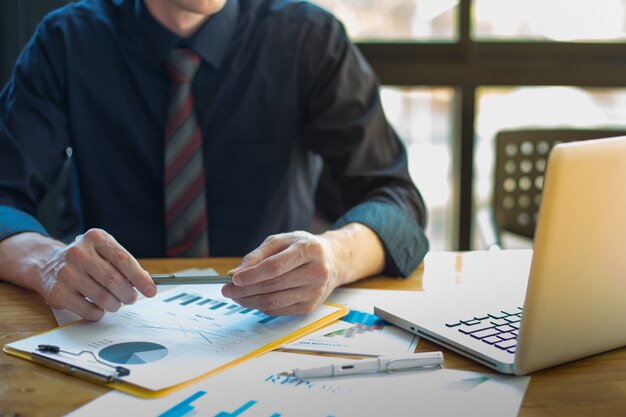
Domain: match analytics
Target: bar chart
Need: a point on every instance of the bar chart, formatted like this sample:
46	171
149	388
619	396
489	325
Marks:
200	319
224	306
363	323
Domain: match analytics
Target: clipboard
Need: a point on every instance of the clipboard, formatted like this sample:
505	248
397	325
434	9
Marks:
88	370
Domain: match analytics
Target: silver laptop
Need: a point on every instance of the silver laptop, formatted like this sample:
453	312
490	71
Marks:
572	303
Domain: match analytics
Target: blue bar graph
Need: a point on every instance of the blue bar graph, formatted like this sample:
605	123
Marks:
216	306
361	317
234	310
205	301
238	411
176	297
245	311
183	407
267	319
191	300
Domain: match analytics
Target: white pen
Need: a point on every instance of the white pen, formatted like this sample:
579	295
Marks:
380	364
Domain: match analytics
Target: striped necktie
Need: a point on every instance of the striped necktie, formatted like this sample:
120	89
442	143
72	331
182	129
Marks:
185	197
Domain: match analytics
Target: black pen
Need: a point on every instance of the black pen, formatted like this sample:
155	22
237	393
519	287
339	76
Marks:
175	279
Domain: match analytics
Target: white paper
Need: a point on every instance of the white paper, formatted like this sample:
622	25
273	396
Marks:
362	333
178	335
255	389
477	270
66	316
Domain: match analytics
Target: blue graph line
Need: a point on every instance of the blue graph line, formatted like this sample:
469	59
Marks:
183	407
238	411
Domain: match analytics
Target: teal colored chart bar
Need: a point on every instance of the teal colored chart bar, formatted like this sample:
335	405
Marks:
238	411
233	310
191	300
267	319
176	297
183	407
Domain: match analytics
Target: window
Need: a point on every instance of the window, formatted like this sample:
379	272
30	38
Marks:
422	117
499	63
550	20
536	107
375	20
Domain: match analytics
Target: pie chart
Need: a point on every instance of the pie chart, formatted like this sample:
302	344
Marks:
133	353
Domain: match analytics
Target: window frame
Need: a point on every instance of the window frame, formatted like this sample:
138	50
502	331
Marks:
467	64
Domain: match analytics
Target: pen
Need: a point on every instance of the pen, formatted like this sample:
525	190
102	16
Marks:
175	279
380	364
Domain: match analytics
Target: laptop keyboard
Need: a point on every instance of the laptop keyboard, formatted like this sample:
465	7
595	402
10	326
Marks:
496	329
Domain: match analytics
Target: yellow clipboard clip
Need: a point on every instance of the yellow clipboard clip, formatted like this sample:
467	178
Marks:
116	373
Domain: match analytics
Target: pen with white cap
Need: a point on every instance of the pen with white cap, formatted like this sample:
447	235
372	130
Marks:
380	364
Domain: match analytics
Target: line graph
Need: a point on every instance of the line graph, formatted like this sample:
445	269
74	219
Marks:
183	330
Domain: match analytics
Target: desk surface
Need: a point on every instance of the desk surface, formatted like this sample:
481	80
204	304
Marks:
594	386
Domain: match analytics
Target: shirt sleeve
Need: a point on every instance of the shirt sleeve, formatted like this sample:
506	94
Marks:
33	131
365	159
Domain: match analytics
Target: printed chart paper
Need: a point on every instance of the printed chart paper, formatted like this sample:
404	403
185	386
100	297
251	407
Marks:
66	316
256	389
172	338
360	332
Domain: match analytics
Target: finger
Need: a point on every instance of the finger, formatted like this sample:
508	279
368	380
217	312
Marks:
270	246
278	300
100	296
126	264
110	278
298	308
274	266
297	277
77	303
85	309
72	277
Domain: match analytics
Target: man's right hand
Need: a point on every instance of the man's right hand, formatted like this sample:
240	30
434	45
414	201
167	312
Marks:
92	275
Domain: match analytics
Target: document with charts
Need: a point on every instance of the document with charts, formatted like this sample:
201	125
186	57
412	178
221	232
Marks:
179	335
259	390
360	332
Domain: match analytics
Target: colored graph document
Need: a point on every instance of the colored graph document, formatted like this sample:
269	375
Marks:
179	335
258	390
360	332
64	317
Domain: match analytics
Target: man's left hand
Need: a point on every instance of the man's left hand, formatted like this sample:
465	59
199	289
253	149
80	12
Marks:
293	273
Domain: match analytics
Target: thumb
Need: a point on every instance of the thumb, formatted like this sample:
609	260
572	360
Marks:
270	246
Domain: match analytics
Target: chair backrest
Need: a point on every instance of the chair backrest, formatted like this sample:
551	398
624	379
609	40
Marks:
521	157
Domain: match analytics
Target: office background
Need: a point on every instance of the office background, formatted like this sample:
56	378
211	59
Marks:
454	73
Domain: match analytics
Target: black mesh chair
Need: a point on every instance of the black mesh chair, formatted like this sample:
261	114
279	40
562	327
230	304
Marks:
520	163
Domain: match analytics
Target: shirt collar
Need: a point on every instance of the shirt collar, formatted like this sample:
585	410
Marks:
210	41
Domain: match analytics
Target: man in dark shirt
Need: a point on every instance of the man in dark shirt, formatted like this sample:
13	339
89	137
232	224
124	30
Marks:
237	103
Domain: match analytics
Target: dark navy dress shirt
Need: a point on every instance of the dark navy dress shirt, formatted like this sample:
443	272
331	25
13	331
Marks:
280	93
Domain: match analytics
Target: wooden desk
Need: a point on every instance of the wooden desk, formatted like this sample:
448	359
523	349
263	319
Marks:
590	387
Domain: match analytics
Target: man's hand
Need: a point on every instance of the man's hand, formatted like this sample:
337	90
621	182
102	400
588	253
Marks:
293	273
92	275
